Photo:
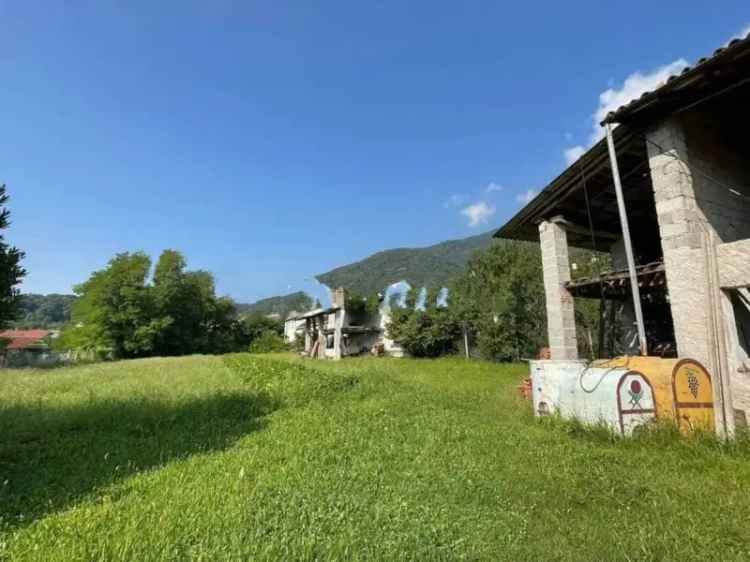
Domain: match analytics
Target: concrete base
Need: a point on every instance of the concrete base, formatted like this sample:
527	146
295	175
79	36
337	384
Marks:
625	393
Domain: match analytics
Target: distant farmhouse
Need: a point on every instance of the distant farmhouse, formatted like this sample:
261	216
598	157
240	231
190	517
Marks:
27	347
667	194
339	331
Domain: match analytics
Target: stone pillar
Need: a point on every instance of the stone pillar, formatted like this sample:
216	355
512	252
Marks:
684	232
339	297
308	337
339	319
338	334
689	241
561	326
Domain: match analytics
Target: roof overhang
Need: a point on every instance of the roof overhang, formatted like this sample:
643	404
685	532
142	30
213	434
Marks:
594	208
583	195
727	69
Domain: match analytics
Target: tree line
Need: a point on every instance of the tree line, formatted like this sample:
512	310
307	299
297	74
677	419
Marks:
497	306
43	311
11	270
129	309
133	308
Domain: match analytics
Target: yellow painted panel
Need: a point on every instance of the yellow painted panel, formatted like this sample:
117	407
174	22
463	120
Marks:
692	384
694	397
659	373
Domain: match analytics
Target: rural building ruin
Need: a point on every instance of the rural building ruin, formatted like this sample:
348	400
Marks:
681	155
340	330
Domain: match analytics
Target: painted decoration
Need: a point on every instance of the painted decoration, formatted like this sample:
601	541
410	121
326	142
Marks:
659	372
636	404
693	396
625	393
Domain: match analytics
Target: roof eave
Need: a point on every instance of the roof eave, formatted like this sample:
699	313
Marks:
571	176
725	55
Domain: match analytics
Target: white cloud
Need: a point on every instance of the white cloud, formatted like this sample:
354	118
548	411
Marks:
742	34
574	153
633	87
493	187
611	99
526	197
454	201
479	213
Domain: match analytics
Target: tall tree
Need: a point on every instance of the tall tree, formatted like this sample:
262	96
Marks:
501	296
178	313
115	308
180	302
11	271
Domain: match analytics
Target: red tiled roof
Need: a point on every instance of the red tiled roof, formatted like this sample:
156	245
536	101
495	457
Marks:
24	339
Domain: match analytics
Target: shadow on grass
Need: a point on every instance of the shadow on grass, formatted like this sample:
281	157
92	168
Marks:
52	457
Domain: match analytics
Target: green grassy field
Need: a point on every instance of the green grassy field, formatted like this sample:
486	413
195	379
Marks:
242	458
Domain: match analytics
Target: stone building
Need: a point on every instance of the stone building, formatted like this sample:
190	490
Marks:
684	160
341	331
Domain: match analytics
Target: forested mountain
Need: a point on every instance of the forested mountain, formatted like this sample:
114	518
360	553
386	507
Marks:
283	305
420	267
44	311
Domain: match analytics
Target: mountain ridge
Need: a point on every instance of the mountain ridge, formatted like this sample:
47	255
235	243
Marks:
427	266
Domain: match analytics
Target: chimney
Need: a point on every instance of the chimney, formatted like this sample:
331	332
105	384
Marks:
339	297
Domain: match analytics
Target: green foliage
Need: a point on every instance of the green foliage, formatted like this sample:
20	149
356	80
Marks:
498	301
588	264
255	325
411	298
43	311
360	307
11	272
434	266
255	458
117	308
501	299
296	302
188	309
424	333
119	312
268	342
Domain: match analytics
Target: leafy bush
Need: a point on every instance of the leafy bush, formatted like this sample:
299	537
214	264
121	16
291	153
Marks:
360	307
255	325
425	333
268	342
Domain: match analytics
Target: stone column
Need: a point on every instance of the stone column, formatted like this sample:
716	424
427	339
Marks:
339	320
308	337
561	326
338	334
689	241
684	232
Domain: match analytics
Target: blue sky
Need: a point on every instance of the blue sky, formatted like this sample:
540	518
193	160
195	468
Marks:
270	141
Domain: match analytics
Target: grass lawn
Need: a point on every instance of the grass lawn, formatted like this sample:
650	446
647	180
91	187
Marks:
259	458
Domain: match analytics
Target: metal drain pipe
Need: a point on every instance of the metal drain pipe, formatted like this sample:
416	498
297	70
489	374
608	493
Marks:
626	239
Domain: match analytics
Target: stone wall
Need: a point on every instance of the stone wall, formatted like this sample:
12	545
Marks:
683	228
696	160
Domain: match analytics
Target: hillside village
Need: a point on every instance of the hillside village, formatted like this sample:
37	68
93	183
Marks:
493	397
